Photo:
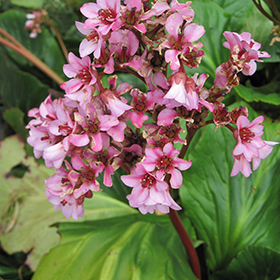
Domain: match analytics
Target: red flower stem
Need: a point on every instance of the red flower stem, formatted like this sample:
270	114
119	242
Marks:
176	221
10	37
274	8
130	71
32	58
259	6
231	128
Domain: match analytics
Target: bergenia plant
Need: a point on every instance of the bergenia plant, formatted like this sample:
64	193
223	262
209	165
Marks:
98	128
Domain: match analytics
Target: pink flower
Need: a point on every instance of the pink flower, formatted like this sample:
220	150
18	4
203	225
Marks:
165	161
82	73
105	15
92	43
134	14
112	99
84	176
244	51
183	91
184	10
179	42
34	22
250	146
60	192
141	102
148	193
104	159
125	44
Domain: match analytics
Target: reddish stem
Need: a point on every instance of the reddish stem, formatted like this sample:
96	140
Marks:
176	221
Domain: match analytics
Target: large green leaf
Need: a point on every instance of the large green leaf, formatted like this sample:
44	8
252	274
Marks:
26	213
44	46
19	89
232	213
132	247
15	118
267	94
256	263
239	10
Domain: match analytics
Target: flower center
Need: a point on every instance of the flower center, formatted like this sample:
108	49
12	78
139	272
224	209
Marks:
84	75
64	129
148	181
140	106
106	15
93	36
93	126
87	175
164	163
246	134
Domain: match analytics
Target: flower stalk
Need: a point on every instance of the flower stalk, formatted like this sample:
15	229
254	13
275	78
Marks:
19	48
177	223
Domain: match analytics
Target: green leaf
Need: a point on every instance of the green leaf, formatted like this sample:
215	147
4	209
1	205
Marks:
35	4
256	263
26	93
132	247
239	10
44	46
14	117
267	94
214	19
26	213
232	213
258	25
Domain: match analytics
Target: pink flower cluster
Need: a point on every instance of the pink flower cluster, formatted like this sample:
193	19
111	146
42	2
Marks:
95	130
34	21
250	147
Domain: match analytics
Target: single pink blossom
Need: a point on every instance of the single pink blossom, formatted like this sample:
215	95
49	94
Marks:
179	42
165	161
104	15
183	91
83	176
148	193
82	73
141	102
92	43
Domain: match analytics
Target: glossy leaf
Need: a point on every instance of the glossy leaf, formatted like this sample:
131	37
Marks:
26	212
44	46
264	94
255	262
132	247
26	93
15	118
239	10
232	213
